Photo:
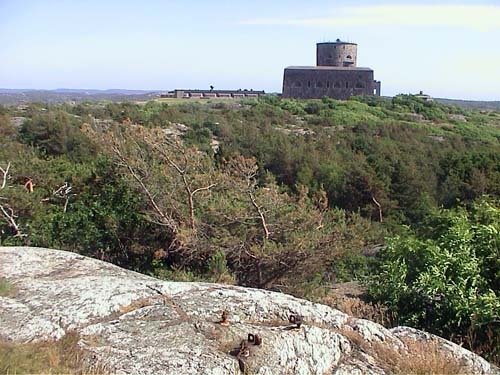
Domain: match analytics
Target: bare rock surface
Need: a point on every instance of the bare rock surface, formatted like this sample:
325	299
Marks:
135	324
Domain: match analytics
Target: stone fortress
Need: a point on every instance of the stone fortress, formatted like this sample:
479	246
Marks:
335	75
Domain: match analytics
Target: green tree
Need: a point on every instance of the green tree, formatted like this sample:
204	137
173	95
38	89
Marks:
56	133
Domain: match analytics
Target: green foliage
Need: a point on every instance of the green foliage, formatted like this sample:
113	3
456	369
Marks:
430	110
110	228
446	279
164	272
218	268
351	267
56	133
200	136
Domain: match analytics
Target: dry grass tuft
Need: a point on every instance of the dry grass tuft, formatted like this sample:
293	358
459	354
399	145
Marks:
358	308
425	358
63	356
418	358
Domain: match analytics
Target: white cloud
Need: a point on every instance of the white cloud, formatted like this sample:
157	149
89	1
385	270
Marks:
477	17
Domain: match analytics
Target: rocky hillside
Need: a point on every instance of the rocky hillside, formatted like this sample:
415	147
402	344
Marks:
134	324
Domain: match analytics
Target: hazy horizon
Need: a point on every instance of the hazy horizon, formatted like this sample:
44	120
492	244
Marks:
448	50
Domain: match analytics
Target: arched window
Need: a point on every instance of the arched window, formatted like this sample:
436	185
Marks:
349	57
347	84
308	83
327	84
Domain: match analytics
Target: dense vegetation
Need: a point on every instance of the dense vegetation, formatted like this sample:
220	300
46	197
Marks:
280	194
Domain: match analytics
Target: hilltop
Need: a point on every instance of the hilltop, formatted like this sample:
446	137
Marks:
397	197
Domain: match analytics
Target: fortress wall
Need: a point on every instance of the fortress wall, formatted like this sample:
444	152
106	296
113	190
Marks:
318	83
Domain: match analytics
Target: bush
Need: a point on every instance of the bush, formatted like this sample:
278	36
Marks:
446	280
56	133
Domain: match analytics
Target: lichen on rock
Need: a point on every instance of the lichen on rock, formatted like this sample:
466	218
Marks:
135	324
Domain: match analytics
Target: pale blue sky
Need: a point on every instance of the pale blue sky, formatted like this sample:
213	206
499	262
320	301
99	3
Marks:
448	50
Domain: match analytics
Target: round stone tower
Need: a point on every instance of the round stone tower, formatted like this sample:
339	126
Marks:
336	53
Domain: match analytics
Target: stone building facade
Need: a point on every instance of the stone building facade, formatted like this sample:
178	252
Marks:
205	94
335	75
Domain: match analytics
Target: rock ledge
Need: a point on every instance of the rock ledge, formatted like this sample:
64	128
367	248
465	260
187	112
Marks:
135	324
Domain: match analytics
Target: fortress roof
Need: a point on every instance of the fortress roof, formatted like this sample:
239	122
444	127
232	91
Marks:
338	41
327	68
244	91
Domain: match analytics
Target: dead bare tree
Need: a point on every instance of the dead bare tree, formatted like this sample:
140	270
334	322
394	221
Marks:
5	209
64	192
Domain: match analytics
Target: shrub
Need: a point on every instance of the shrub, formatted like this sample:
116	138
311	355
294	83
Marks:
445	280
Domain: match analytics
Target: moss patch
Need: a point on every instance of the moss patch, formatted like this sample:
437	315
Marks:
48	357
6	288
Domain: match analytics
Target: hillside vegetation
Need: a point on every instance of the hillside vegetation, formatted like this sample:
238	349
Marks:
287	195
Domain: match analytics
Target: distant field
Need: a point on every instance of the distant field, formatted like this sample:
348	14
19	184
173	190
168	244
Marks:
471	104
16	97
